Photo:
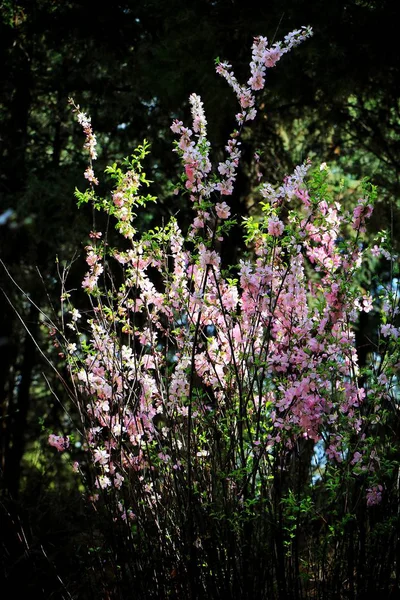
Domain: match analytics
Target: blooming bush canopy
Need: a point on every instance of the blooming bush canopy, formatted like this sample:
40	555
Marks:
197	381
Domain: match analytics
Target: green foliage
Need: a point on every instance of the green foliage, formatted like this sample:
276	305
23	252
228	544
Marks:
122	61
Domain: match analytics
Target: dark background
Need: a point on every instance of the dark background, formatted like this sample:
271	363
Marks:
131	66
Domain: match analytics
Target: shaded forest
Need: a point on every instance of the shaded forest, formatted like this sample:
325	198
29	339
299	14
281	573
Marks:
132	66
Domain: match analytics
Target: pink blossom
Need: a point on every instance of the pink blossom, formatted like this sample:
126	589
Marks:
367	303
92	258
225	187
388	330
164	457
356	458
275	227
257	81
374	495
198	222
333	452
89	174
103	481
59	442
176	126
272	56
304	196
85	122
227	168
209	257
199	120
101	456
118	199
361	213
222	209
190	172
118	480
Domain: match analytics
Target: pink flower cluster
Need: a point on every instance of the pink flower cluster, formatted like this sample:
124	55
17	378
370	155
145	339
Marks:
96	269
84	120
59	442
275	227
374	495
264	327
195	154
361	213
262	58
267	356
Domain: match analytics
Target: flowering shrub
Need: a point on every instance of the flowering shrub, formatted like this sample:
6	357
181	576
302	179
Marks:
205	388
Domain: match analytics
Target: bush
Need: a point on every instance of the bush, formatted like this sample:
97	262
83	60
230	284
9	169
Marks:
233	446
